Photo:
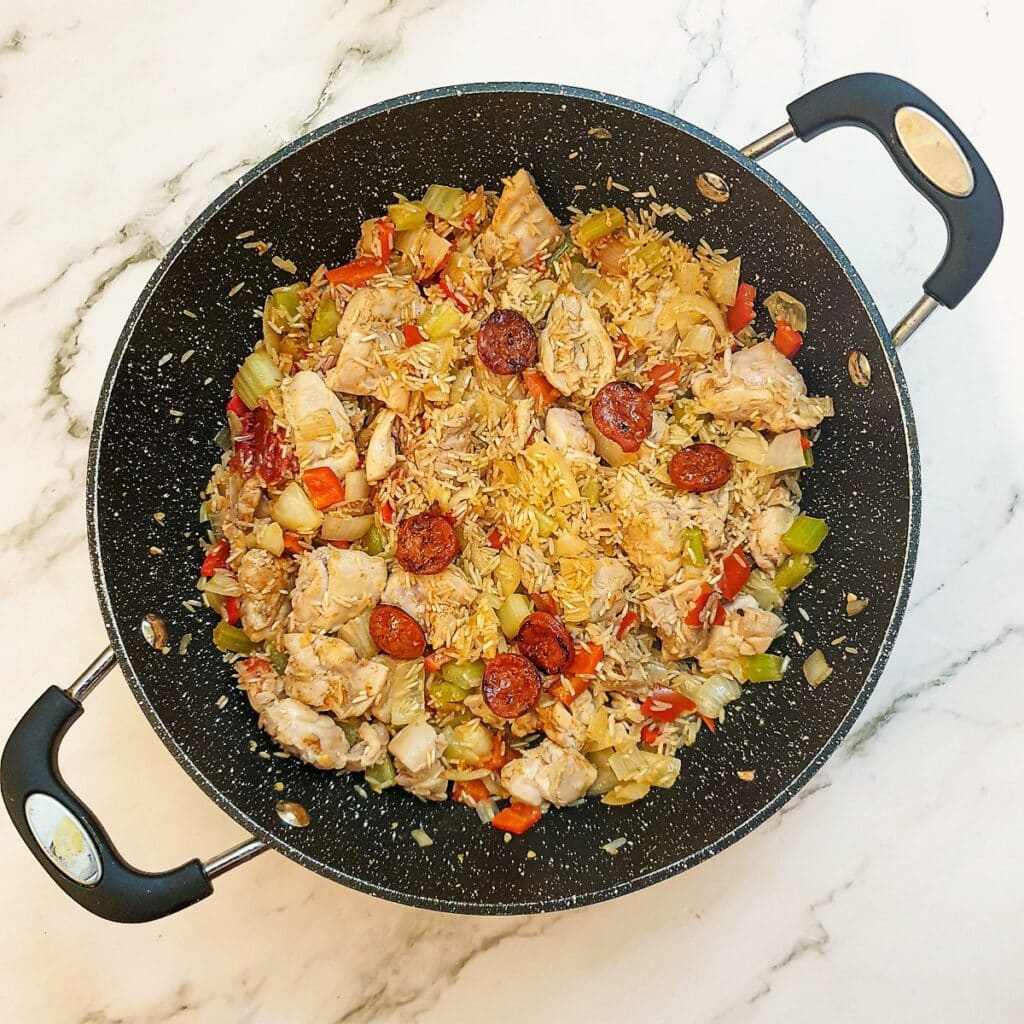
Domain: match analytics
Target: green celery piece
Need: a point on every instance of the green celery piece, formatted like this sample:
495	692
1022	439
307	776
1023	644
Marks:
255	377
599	224
443	694
231	639
381	776
762	668
793	571
444	202
325	320
467	674
407	216
805	535
693	545
373	542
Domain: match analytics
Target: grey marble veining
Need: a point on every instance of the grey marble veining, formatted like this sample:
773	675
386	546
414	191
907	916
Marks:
889	887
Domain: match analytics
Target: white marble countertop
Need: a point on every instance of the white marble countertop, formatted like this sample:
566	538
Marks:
890	889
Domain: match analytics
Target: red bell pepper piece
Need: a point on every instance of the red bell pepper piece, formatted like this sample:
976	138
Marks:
649	734
545	603
450	293
471	792
805	442
500	755
628	621
540	389
709	722
237	406
263	450
741	312
293	544
232	610
496	539
387	513
412	335
386	237
665	705
356	273
786	340
663	375
585	661
516	818
694	617
735	573
325	489
434	661
568	688
216	558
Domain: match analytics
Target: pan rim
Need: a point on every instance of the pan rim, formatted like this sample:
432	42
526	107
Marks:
639	881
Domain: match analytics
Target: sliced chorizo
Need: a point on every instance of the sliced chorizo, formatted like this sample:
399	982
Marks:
506	342
511	685
397	633
701	467
544	639
624	414
427	543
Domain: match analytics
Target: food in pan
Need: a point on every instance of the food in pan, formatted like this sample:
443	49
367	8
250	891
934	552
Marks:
510	509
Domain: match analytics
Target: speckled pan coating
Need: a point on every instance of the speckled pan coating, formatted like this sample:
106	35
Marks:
308	200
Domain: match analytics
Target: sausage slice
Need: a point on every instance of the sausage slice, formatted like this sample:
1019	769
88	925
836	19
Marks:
506	342
624	414
511	685
546	642
396	632
701	467
426	543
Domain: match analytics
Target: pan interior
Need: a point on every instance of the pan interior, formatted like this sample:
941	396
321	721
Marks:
309	202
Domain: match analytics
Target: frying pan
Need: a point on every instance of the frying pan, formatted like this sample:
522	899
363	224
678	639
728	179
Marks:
309	200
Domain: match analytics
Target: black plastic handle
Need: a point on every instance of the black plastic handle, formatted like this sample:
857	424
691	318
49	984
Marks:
974	222
29	769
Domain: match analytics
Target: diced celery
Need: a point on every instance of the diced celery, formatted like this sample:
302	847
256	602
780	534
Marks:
373	541
512	612
545	524
279	659
445	694
808	458
231	639
652	254
325	320
804	537
441	320
255	377
591	490
693	545
444	202
407	216
381	775
468	674
793	571
351	730
761	668
599	224
286	300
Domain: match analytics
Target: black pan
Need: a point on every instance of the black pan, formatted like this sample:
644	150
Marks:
309	200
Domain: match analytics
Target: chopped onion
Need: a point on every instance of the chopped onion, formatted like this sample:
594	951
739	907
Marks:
356	633
421	837
748	445
408	702
763	590
724	281
269	536
782	306
316	425
687	277
294	511
568	544
714	693
786	451
700	338
487	810
342	527
816	668
706	308
222	583
356	486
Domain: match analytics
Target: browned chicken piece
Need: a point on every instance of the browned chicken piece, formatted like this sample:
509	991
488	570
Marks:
522	218
667	612
575	352
264	580
240	513
334	586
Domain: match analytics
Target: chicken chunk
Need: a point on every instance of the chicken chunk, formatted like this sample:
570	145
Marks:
522	221
548	773
239	512
264	602
567	726
565	431
369	328
260	683
300	730
667	611
766	530
381	451
708	512
325	673
417	752
762	388
748	629
611	577
438	603
319	426
576	353
333	586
